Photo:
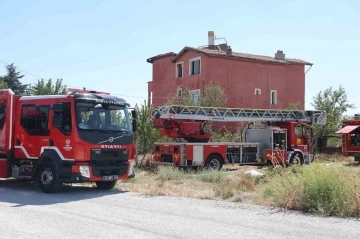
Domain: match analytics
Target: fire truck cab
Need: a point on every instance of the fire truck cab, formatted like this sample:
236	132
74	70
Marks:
83	136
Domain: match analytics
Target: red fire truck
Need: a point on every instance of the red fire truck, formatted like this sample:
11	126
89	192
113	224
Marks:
83	136
350	138
284	139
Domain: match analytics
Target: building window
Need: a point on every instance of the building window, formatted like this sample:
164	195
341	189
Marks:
273	97
257	91
194	66
179	69
179	92
195	95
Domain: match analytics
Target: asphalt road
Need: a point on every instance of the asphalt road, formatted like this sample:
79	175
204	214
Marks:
82	212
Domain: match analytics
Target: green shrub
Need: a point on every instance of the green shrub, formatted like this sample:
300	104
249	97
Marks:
166	173
314	188
212	176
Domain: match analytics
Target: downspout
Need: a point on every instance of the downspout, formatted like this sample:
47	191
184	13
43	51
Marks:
308	69
305	82
269	92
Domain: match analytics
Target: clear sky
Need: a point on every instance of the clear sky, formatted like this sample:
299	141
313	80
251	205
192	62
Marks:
104	45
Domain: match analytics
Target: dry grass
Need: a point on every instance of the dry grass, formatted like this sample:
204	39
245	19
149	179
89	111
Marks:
169	181
328	186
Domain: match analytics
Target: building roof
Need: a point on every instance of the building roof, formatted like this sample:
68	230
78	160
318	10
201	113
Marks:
154	58
238	55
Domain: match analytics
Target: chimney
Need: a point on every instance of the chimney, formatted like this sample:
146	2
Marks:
211	38
279	55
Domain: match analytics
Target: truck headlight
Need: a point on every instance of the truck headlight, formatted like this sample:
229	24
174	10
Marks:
84	171
131	168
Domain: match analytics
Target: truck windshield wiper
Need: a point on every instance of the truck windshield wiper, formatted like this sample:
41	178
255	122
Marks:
96	130
118	131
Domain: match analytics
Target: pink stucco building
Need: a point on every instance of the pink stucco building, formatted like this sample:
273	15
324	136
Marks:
250	81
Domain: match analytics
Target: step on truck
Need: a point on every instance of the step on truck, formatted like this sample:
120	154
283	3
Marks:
282	137
82	136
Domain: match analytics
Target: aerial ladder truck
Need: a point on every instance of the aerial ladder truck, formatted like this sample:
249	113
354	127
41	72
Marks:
283	138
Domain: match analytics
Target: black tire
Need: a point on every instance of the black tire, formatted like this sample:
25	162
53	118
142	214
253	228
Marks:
106	185
48	178
214	162
294	160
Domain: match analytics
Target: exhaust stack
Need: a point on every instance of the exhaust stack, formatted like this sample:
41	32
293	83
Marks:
211	39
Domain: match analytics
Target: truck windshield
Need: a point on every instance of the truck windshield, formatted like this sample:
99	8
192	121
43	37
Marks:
102	117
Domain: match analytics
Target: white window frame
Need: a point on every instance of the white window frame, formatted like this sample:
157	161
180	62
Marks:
257	91
182	69
191	94
195	59
276	96
179	90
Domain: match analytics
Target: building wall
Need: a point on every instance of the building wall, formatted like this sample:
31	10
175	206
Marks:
238	78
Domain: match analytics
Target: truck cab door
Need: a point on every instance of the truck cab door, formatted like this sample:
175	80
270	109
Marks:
61	130
27	134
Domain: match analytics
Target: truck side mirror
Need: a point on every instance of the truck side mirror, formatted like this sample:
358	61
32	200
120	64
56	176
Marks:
57	120
58	107
134	114
134	125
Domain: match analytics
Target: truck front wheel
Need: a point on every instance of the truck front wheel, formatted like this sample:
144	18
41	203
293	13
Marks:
48	178
106	185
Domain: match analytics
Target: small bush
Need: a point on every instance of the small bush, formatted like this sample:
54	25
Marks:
212	176
314	188
166	173
233	185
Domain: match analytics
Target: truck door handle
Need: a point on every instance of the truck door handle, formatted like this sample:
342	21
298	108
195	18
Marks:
51	142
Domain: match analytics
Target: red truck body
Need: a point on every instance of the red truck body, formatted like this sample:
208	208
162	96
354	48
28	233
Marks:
350	137
46	139
283	139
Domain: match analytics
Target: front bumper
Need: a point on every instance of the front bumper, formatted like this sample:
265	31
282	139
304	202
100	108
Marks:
90	173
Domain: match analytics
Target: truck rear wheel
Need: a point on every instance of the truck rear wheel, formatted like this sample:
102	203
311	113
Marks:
48	178
106	185
213	162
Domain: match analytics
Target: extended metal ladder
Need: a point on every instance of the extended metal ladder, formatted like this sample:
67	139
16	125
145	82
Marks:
237	114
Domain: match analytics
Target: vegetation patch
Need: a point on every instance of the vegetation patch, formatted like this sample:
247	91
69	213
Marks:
315	188
326	187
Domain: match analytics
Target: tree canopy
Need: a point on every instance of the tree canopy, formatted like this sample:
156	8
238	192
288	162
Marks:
213	96
13	77
48	88
335	103
12	80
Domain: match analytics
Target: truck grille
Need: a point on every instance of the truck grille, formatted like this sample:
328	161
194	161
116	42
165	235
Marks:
108	156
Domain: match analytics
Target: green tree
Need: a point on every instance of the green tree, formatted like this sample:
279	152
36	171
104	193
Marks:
146	135
3	84
12	79
293	106
213	96
335	103
48	88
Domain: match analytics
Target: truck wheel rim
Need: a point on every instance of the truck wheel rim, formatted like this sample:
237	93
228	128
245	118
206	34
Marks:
46	177
214	164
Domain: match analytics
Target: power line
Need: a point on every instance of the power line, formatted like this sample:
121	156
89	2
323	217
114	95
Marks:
128	96
22	70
